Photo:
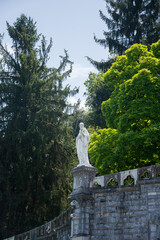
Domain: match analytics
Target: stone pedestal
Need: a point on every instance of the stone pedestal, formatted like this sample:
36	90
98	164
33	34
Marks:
81	202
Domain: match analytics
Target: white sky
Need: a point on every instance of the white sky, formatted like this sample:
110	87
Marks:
70	23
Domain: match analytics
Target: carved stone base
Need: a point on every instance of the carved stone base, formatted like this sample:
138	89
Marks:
81	204
83	178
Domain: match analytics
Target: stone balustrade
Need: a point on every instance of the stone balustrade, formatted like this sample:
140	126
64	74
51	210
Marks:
128	178
58	228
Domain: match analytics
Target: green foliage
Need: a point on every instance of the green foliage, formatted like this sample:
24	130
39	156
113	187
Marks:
129	181
78	116
97	92
102	66
155	49
135	101
112	183
36	145
128	22
101	150
146	175
132	112
97	185
126	66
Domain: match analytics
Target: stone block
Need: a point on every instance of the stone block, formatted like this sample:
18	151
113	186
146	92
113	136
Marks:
80	238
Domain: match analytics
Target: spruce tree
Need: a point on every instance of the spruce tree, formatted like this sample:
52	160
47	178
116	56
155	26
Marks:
128	22
35	137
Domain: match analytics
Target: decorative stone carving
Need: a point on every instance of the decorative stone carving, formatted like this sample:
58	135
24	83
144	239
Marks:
73	215
125	174
48	230
83	177
128	181
27	237
143	172
99	181
82	142
112	183
74	204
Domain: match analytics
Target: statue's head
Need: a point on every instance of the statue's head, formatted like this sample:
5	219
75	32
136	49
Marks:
81	125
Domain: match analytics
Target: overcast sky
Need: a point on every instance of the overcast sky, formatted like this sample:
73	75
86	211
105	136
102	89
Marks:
70	23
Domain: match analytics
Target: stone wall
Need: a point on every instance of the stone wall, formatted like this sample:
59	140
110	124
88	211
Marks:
120	206
127	212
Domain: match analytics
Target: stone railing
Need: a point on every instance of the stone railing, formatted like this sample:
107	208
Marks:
129	177
58	228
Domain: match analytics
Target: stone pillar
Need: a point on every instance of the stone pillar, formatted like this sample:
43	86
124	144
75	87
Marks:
81	202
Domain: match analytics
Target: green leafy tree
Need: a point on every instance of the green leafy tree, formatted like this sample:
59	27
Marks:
35	137
102	150
132	112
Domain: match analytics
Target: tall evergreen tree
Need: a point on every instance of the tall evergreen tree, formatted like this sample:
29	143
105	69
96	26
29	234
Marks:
35	138
128	22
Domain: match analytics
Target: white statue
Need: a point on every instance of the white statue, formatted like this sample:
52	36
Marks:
82	142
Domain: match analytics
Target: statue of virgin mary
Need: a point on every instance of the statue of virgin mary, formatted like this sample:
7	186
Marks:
82	142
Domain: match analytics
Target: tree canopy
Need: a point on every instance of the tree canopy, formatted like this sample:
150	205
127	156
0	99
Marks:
96	93
128	22
132	112
35	136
